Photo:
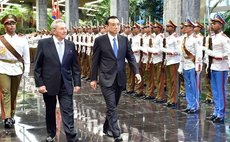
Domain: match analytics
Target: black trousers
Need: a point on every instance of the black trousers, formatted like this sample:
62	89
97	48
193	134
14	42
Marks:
66	107
112	96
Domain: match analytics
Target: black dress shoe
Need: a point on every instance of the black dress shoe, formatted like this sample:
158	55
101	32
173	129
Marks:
212	117
118	139
161	101
218	120
138	95
12	120
173	105
50	139
143	97
109	133
208	101
8	123
186	110
192	111
149	98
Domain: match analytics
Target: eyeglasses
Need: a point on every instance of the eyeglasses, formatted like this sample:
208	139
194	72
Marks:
10	23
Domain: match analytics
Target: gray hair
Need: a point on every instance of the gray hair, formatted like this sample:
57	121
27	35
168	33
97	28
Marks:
55	23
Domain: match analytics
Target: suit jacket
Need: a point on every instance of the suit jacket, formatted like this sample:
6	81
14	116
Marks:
109	66
49	71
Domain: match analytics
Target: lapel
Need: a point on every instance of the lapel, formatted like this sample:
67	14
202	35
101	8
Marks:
119	45
53	49
66	50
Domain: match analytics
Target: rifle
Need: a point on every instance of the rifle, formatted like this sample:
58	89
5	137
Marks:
81	47
162	73
204	42
149	54
163	55
141	52
209	57
77	44
91	48
85	48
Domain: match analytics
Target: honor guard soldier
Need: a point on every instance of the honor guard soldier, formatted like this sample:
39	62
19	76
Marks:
172	60
191	63
181	77
146	68
136	39
156	57
84	55
129	73
197	29
89	45
206	68
220	55
14	62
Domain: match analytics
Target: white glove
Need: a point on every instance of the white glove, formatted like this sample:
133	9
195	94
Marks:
204	48
25	75
180	69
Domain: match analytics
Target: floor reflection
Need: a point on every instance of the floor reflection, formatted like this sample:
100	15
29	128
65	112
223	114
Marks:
139	120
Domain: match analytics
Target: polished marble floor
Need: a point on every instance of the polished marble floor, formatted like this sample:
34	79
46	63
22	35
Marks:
139	120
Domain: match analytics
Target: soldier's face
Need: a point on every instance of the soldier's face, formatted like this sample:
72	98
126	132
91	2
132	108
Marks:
60	31
113	26
127	29
216	26
10	27
187	29
169	29
197	29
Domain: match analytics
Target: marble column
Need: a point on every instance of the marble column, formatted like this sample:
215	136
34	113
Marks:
172	11
41	17
179	10
120	8
190	9
71	12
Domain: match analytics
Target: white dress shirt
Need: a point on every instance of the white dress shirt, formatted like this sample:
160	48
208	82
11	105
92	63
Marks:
111	38
62	50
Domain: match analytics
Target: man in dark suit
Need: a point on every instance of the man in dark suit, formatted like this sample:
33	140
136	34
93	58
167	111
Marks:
109	53
57	74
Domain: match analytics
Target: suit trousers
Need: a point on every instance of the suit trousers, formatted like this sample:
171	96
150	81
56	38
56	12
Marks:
66	107
9	88
112	96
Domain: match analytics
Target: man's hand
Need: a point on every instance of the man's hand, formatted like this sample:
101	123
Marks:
76	89
93	85
138	77
42	89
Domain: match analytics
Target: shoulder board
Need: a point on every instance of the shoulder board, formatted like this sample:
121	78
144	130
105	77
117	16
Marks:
175	35
162	35
20	34
223	34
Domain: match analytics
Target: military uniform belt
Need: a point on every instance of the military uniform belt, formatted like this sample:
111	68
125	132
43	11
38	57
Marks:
216	58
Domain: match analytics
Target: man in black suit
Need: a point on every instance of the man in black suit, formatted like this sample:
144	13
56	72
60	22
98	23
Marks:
57	74
109	53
